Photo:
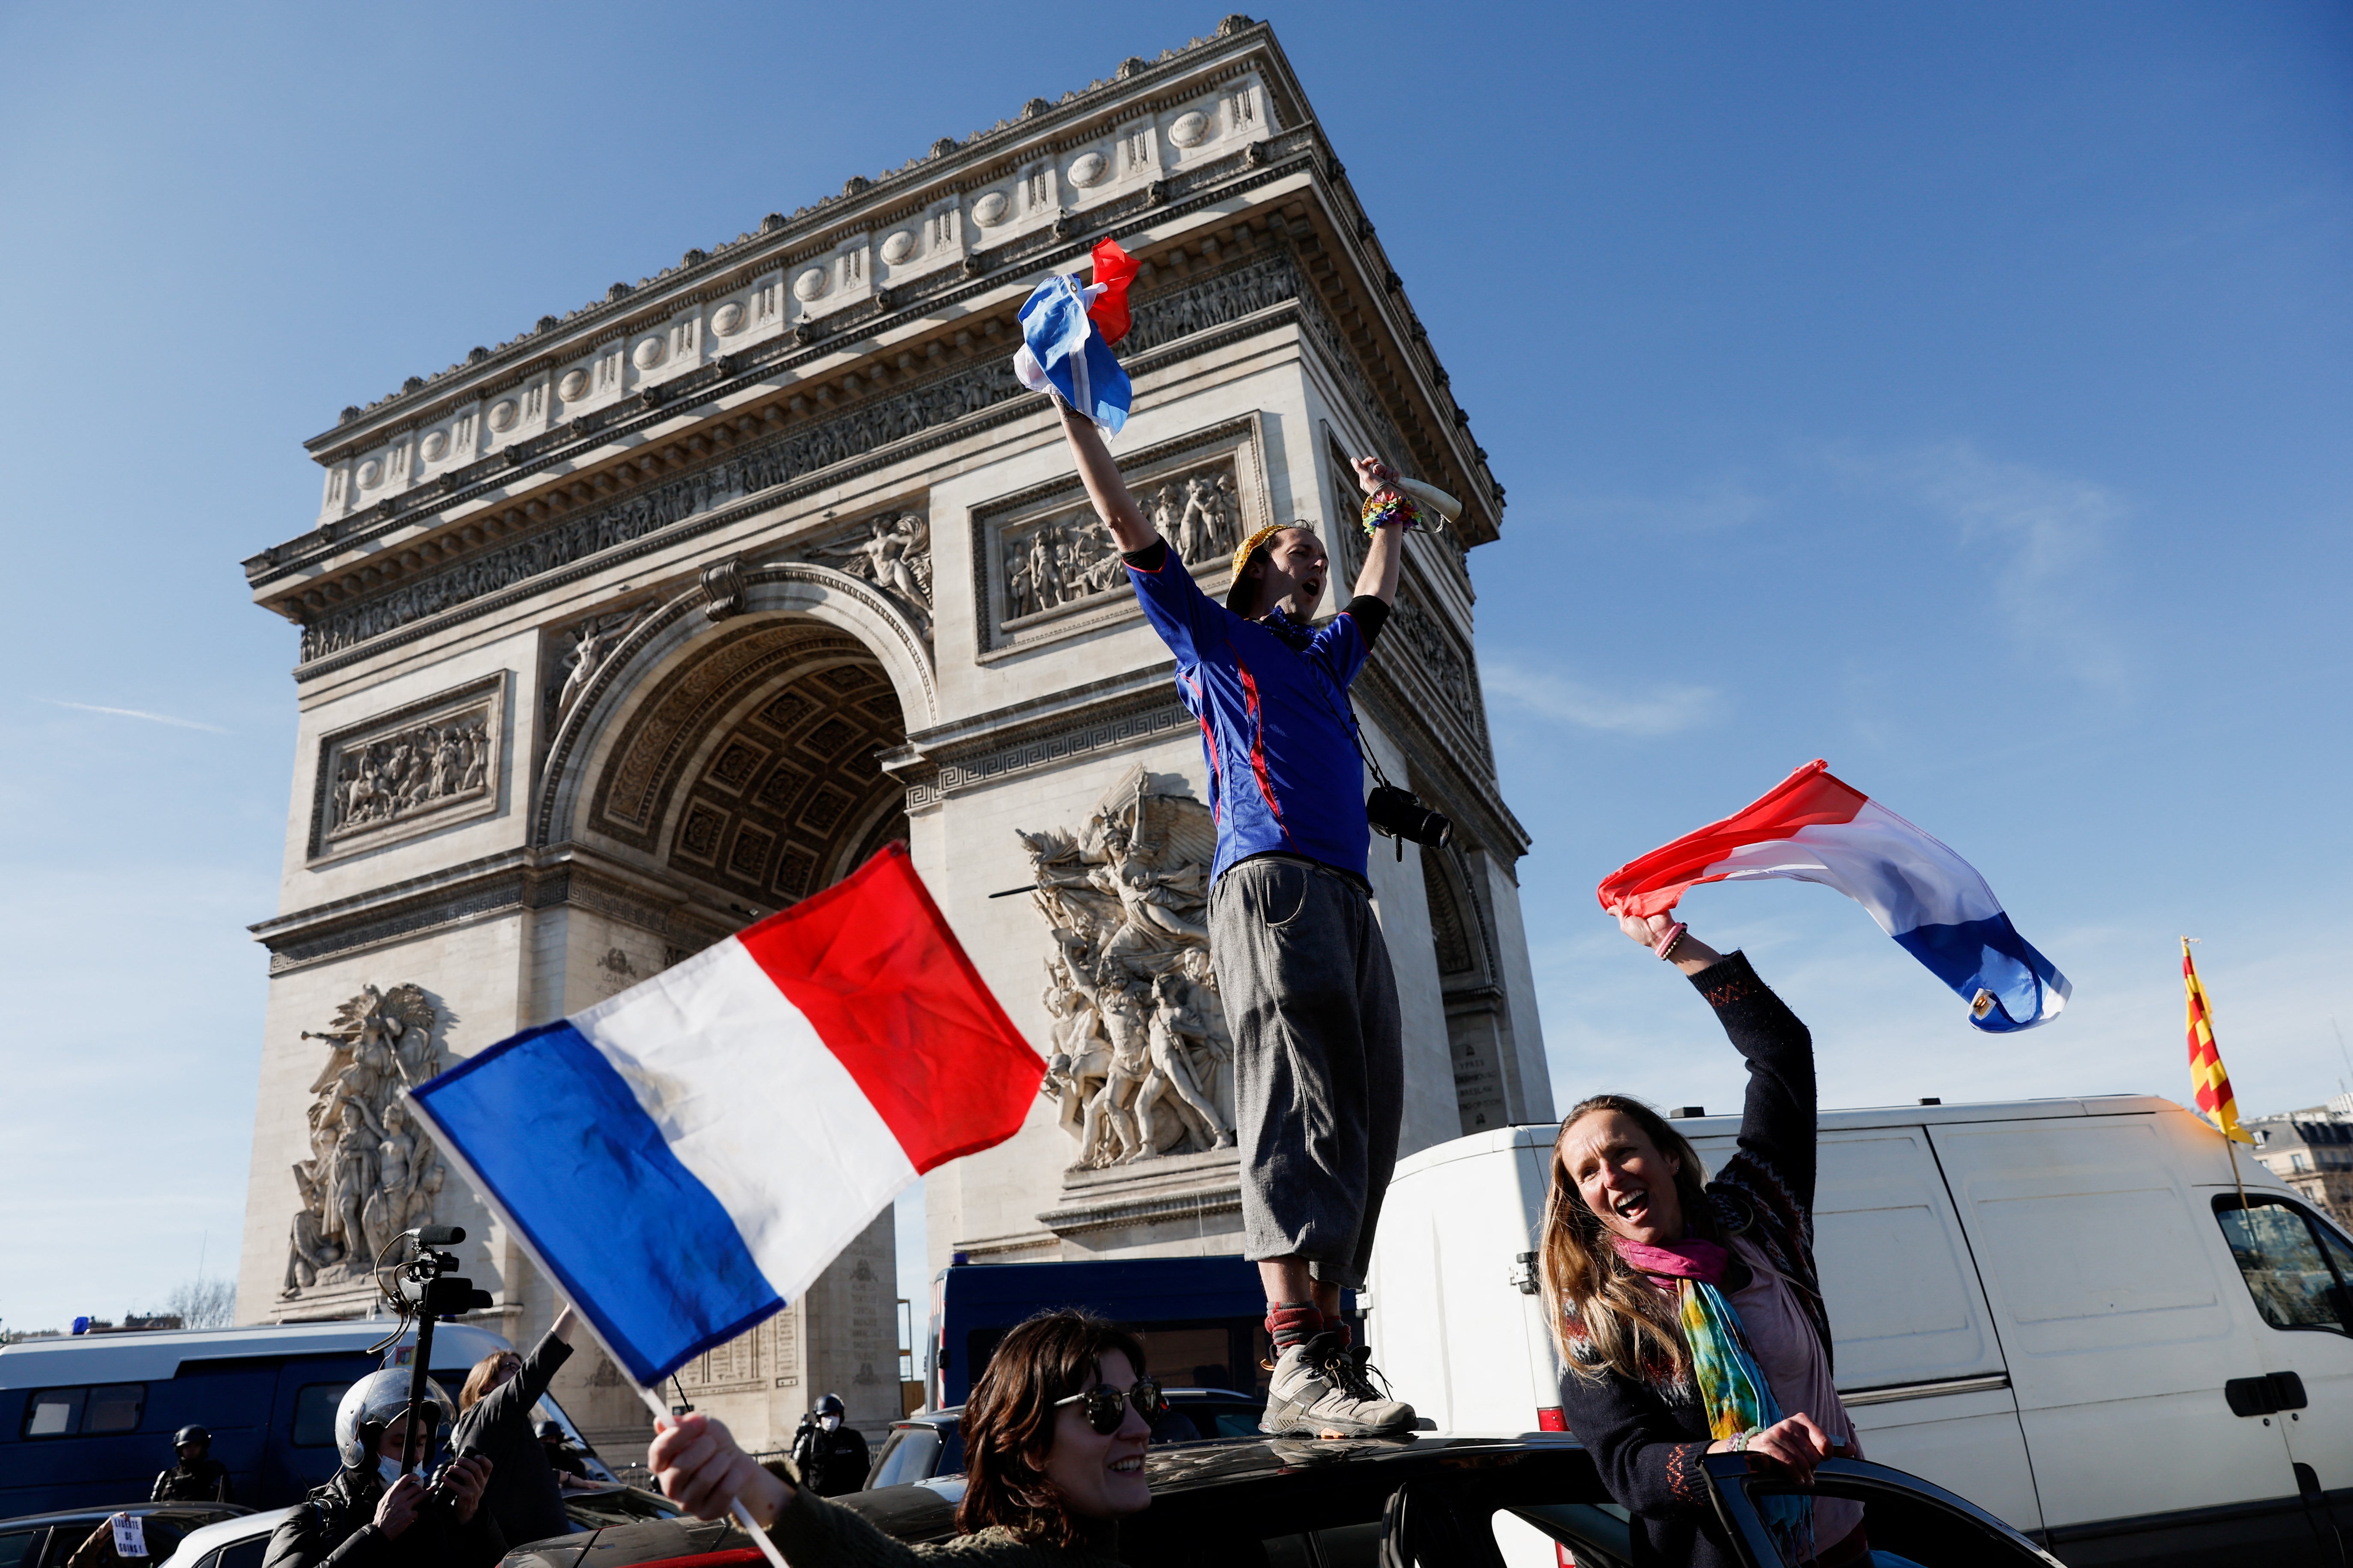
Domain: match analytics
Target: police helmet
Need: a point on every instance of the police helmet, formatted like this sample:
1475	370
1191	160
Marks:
380	1398
549	1432
831	1405
187	1435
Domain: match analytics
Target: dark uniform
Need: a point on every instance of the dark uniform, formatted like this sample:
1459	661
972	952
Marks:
206	1480
831	1463
337	1526
523	1492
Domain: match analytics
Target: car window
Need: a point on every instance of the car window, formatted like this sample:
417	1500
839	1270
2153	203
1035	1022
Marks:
246	1553
1908	1528
17	1547
66	1412
114	1407
314	1414
907	1457
2281	1259
54	1412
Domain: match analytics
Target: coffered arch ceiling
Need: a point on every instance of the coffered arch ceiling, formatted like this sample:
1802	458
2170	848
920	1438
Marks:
753	769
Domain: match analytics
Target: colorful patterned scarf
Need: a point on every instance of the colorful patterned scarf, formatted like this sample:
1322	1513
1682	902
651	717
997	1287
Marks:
1732	1391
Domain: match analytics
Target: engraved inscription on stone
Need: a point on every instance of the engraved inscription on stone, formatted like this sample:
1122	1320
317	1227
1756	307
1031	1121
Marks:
430	763
372	1172
1141	1063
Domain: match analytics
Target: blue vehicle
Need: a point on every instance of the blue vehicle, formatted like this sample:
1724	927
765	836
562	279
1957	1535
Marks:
87	1421
1202	1319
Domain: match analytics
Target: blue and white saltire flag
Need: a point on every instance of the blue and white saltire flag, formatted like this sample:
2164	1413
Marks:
686	1157
1813	827
1062	351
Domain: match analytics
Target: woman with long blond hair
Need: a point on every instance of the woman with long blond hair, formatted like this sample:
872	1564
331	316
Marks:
1689	1312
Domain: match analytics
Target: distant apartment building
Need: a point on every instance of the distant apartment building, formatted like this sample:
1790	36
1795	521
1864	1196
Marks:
2312	1150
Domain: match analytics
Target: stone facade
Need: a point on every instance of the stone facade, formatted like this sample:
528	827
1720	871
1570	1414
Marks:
673	610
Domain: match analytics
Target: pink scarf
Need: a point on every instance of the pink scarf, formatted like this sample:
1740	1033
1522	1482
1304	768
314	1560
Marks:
1692	1259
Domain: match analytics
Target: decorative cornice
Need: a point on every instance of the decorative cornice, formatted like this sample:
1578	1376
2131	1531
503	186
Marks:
862	202
494	885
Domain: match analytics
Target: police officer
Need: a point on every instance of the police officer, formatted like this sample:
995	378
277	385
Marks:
197	1478
372	1516
829	1456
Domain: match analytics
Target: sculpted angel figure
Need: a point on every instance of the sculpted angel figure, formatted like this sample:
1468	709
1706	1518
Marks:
1155	901
895	558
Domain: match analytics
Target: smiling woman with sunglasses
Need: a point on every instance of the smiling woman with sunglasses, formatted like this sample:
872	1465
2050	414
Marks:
1053	1442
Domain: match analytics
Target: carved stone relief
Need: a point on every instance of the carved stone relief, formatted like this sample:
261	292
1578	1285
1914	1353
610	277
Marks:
1141	1063
420	768
1198	304
591	643
893	552
1049	567
372	1171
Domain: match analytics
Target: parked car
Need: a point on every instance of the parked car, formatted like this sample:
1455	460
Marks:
929	1443
2056	1309
47	1539
88	1420
244	1543
1533	1500
241	1542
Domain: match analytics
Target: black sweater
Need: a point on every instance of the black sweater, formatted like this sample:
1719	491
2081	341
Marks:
1647	1436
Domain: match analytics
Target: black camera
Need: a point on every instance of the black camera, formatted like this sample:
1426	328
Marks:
1398	814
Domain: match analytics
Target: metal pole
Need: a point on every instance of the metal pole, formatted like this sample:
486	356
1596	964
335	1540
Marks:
411	1445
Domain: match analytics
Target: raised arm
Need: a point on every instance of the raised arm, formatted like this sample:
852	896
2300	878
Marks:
1777	1123
1378	580
1104	486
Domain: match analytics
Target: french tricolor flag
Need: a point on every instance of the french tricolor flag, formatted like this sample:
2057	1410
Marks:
686	1157
1811	827
1067	333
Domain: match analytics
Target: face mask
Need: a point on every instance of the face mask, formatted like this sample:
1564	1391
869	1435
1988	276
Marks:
831	1423
389	1468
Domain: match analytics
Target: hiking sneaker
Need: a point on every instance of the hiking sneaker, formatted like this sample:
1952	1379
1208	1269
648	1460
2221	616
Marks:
1324	1388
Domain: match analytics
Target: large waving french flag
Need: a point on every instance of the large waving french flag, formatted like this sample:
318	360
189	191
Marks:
1811	827
686	1157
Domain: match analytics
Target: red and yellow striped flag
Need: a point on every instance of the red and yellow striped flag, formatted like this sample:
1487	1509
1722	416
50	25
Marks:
2207	1081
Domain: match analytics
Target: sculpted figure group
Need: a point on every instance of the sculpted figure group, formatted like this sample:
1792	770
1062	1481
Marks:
394	776
372	1172
1069	558
1140	1062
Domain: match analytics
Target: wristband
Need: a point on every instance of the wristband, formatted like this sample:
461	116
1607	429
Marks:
1666	945
1740	1440
1389	506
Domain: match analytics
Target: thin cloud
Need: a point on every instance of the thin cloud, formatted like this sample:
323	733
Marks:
1708	510
1661	711
2043	536
134	713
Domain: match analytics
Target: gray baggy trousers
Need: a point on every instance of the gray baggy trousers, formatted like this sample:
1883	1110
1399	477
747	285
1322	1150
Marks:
1319	1074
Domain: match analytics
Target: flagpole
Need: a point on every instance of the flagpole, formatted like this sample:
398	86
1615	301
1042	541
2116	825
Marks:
662	1417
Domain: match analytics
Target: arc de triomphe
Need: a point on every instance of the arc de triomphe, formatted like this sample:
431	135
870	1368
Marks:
673	609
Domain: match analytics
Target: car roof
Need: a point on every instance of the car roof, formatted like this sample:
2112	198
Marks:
144	1509
221	1532
924	1512
955	1411
1540	1135
155	1354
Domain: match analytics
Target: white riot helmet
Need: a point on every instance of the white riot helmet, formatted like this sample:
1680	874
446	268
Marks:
380	1398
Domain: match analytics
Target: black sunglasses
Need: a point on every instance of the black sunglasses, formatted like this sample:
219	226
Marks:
1107	1407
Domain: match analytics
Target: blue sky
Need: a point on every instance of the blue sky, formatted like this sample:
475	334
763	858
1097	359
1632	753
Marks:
1962	393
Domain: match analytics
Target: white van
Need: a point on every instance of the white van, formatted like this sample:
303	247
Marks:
2055	1308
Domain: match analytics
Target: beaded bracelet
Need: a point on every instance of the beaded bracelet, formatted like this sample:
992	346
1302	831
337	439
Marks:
1666	945
1384	507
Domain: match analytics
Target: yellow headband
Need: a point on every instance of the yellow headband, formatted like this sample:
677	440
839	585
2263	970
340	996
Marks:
1242	555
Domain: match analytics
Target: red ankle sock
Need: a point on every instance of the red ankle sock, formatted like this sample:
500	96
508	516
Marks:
1291	1323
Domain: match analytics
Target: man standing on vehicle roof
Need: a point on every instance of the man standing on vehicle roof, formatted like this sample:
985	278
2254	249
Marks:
1302	969
197	1478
